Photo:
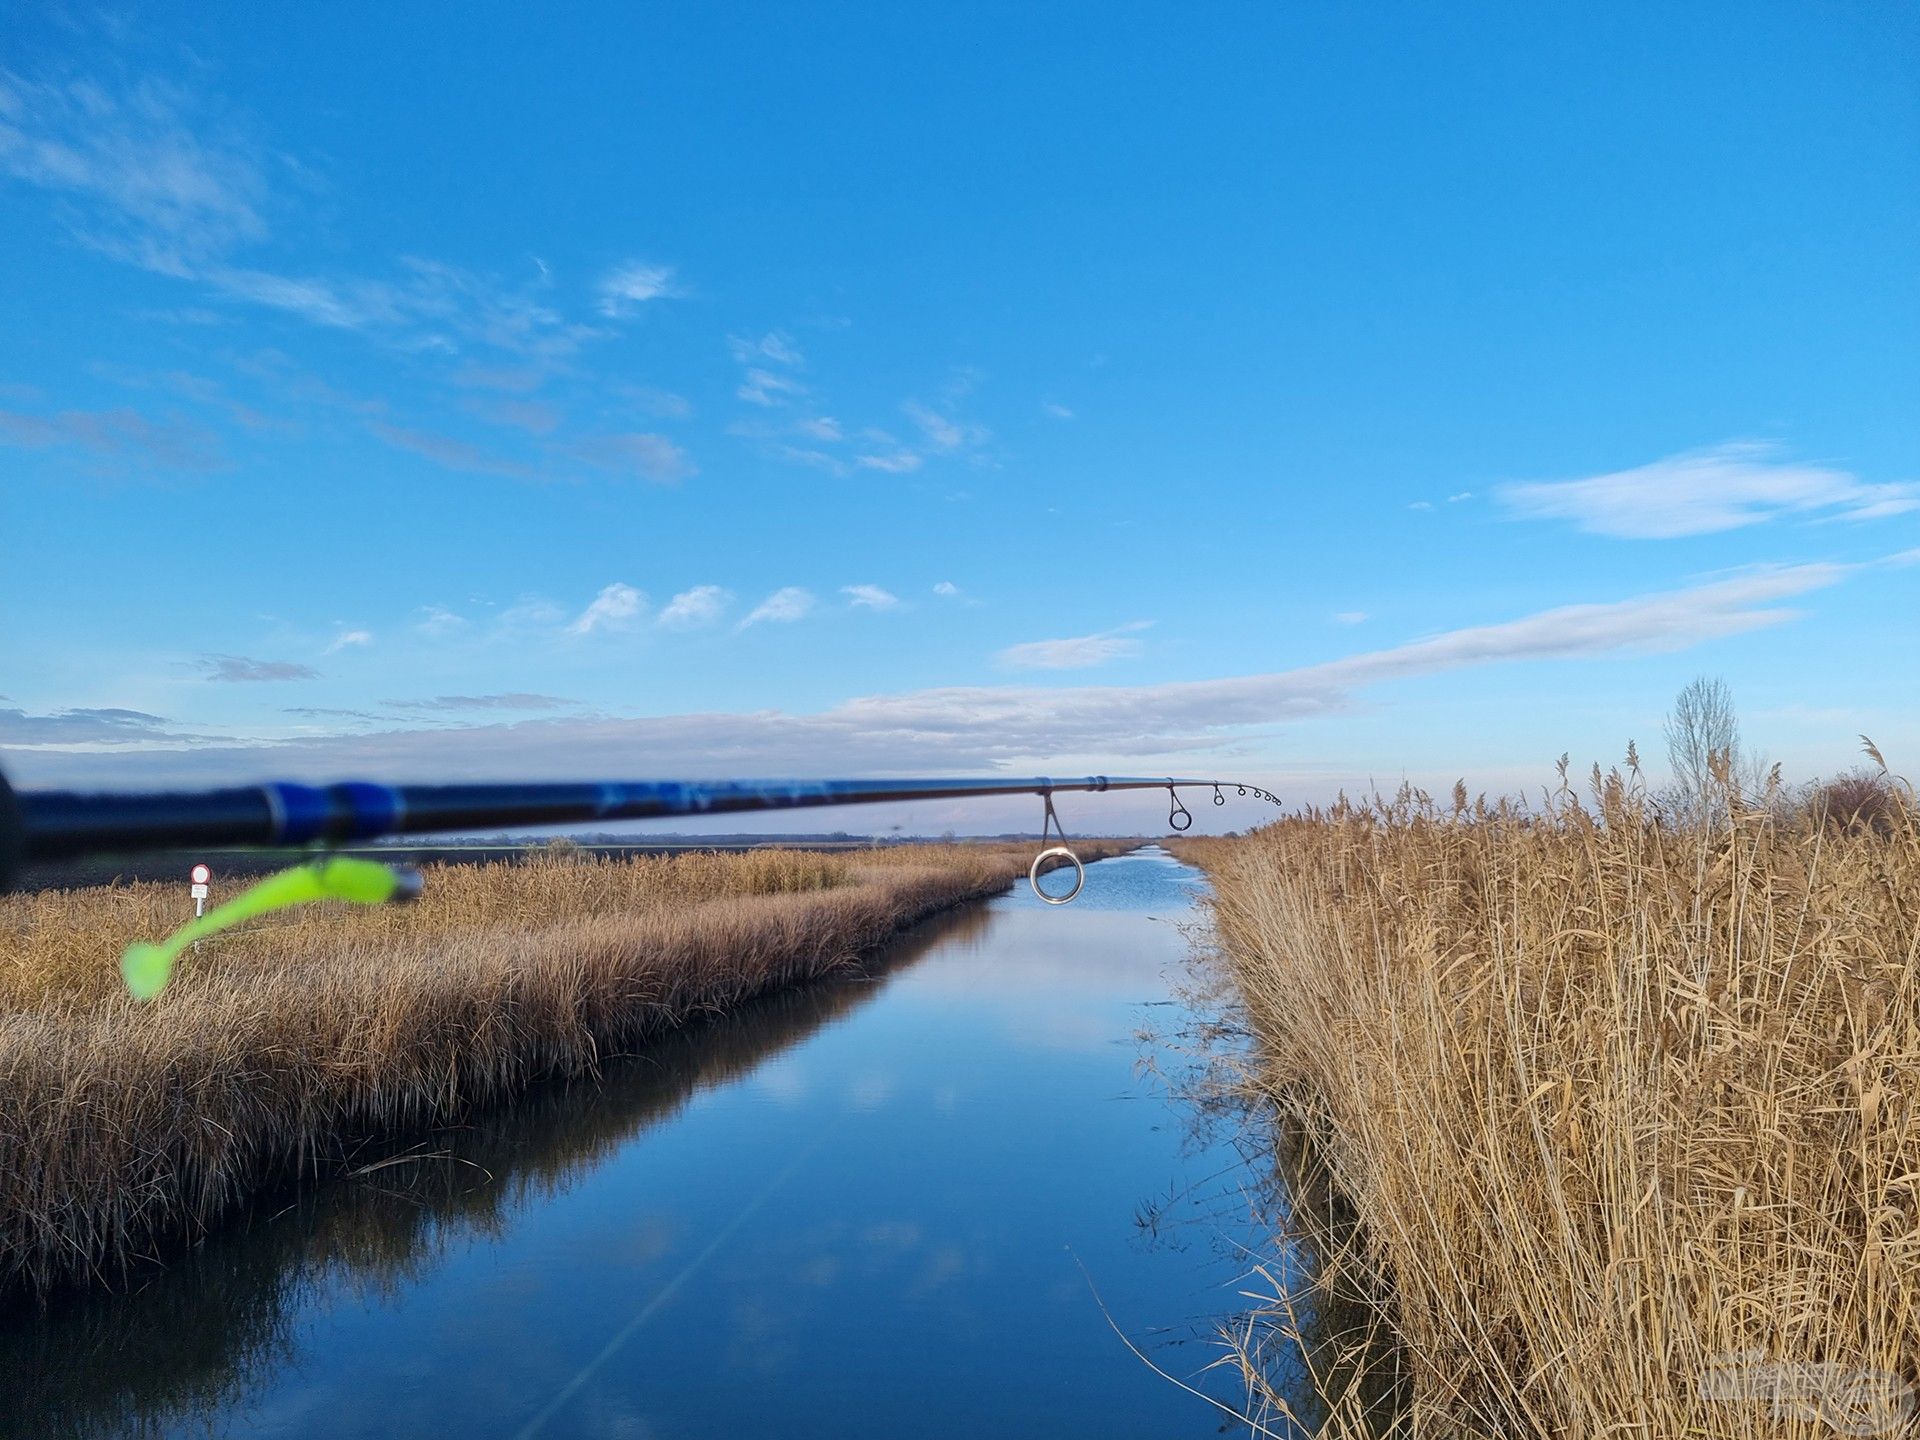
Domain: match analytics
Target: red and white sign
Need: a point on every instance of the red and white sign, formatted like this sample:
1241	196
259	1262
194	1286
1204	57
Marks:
200	874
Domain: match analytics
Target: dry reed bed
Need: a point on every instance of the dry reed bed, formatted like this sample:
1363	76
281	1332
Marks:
1609	1100
125	1125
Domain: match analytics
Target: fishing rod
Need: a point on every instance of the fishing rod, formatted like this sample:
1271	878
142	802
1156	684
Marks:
38	826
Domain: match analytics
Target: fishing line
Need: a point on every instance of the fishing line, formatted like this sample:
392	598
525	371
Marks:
666	1292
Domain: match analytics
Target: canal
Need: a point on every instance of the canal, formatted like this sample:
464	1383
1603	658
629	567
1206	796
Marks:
928	1201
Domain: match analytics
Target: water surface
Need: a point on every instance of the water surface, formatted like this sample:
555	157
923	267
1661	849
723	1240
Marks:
917	1203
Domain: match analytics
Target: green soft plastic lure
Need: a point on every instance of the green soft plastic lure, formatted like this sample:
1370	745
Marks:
147	968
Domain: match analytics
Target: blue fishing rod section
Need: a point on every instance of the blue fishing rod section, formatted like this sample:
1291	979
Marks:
47	825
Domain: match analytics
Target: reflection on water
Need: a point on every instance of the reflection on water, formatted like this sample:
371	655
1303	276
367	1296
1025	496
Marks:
875	1206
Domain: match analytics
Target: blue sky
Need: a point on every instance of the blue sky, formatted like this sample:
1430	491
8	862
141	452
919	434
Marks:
1312	393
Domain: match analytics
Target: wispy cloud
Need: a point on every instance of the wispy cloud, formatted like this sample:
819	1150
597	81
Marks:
239	669
80	727
512	379
199	389
143	184
986	727
146	175
776	346
693	609
870	597
536	417
765	387
437	622
787	604
638	454
451	452
509	700
946	587
117	440
1078	653
1057	411
331	304
628	286
1349	617
617	607
349	638
943	432
1704	491
651	400
900	462
334	712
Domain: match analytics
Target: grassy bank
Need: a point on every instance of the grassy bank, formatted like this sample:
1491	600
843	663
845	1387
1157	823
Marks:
1619	1109
124	1127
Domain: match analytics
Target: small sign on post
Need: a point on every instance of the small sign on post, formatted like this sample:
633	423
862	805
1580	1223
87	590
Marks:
200	875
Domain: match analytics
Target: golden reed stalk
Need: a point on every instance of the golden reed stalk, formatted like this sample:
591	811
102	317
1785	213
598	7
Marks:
1617	1111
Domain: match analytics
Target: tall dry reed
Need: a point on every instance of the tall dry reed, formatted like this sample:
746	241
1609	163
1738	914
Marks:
1616	1114
123	1126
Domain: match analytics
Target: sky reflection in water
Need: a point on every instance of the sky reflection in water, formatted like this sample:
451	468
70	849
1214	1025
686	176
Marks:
858	1209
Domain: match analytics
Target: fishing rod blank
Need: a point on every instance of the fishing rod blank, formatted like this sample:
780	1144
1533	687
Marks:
46	825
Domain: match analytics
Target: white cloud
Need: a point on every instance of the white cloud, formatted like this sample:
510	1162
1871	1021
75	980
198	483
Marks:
764	387
691	609
941	432
436	622
1057	411
946	587
349	637
616	607
1350	617
823	427
146	175
147	187
776	346
1462	495
899	463
786	604
628	286
1078	653
959	728
870	597
1703	491
1421	505
319	302
818	459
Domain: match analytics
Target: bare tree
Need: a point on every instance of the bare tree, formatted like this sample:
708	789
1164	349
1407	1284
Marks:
1703	737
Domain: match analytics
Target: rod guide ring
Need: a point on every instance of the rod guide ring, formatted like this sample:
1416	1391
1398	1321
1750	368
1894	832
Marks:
1079	874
